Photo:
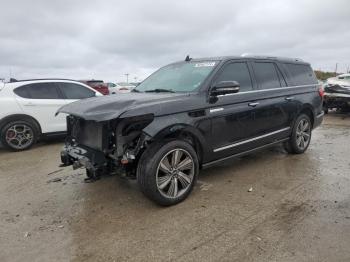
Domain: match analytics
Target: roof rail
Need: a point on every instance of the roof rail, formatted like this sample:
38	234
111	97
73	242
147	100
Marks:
12	80
271	57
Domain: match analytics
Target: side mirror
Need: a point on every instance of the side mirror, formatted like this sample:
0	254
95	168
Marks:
224	88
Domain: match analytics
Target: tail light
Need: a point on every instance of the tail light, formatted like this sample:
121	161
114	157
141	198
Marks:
321	91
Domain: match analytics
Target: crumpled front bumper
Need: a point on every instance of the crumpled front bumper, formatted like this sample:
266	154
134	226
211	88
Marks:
336	95
336	99
82	156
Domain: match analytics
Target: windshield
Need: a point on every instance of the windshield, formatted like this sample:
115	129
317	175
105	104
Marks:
180	77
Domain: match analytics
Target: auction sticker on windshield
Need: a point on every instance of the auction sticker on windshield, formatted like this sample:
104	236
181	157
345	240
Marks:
205	64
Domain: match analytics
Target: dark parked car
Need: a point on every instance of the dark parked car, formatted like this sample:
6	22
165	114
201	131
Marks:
190	115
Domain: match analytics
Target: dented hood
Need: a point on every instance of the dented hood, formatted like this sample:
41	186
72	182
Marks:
341	89
125	105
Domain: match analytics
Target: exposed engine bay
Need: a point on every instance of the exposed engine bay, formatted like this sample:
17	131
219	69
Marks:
105	147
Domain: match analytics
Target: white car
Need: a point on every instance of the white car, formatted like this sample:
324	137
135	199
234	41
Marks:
343	80
337	93
120	88
28	107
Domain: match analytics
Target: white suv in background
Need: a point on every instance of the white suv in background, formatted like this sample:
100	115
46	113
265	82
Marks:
28	107
120	88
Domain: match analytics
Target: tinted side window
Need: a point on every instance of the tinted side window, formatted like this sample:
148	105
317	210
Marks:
301	74
237	72
22	91
38	91
266	75
74	91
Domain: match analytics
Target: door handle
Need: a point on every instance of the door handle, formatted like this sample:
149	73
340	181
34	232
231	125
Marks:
253	104
29	104
289	98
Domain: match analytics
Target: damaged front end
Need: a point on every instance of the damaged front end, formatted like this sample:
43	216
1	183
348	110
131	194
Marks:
337	96
110	146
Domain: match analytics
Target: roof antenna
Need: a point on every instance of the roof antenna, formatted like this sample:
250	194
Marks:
187	59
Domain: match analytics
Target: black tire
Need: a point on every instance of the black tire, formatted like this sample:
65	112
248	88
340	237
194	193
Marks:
92	175
325	110
30	131
293	145
89	173
149	171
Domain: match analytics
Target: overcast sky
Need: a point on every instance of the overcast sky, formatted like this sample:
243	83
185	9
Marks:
83	39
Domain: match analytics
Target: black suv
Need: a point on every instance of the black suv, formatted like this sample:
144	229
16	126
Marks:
192	114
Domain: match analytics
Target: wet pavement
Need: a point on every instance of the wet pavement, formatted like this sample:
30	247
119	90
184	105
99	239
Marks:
298	209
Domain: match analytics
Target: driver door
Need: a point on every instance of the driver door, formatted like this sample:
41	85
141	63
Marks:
231	114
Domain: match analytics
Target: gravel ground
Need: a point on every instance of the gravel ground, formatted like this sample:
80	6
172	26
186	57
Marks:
298	209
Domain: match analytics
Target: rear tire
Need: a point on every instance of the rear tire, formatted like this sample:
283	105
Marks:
301	135
19	135
167	172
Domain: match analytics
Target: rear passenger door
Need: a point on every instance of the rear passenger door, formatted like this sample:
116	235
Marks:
274	110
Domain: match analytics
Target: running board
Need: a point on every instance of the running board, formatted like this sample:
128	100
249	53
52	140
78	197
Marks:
209	164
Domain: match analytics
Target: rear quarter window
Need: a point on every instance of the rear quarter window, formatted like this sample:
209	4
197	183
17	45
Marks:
22	91
301	74
75	91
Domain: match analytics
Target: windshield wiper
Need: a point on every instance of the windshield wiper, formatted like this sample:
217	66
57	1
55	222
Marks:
159	90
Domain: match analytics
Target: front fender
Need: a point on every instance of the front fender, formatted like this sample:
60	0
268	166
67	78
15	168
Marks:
167	126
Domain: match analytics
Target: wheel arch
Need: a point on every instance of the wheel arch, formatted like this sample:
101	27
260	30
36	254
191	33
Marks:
187	133
308	110
19	117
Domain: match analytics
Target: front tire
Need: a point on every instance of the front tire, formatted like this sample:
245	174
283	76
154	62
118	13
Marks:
167	172
19	135
301	135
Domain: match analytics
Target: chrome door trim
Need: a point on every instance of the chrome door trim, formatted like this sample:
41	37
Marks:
251	139
270	89
206	165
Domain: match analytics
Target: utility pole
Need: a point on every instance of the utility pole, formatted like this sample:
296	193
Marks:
348	70
127	77
336	68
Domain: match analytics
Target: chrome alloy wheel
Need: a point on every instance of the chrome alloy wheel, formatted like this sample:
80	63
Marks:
303	134
175	173
19	136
